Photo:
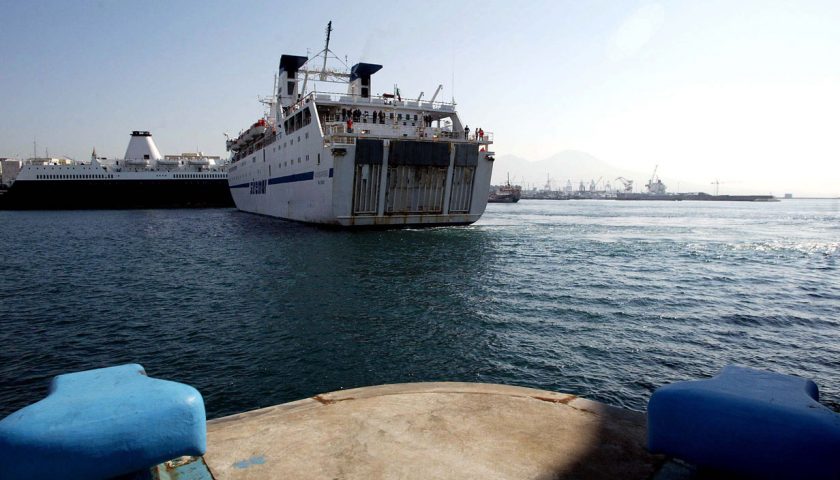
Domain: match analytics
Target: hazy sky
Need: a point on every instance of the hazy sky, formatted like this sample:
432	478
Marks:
744	91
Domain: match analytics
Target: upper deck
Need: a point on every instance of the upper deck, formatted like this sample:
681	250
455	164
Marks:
346	117
343	118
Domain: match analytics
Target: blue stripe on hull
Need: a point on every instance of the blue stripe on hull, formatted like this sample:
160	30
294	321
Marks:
297	177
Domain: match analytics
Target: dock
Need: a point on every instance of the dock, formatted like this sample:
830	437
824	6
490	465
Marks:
434	430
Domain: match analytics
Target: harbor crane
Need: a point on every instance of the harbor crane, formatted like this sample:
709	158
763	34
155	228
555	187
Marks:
717	184
655	185
593	184
628	184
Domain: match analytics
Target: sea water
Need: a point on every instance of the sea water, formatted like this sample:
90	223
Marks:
603	299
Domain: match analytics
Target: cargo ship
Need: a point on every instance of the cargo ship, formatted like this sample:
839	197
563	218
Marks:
356	159
656	190
142	179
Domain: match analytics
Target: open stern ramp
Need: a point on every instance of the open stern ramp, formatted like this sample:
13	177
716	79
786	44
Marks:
409	182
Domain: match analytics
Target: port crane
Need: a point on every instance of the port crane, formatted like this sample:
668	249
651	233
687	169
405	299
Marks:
717	183
628	184
655	185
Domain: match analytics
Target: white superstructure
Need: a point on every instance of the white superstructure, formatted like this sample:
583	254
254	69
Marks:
358	159
142	161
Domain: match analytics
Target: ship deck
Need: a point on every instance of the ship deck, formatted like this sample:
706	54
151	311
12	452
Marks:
435	430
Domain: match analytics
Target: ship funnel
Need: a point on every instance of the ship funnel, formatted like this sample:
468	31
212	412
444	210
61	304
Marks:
288	91
360	78
141	149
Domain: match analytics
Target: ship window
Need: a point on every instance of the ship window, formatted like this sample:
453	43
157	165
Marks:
392	115
145	157
298	138
415	117
298	159
307	158
399	116
319	159
307	134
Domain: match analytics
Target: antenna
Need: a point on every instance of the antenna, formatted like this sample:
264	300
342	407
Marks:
453	80
324	74
326	50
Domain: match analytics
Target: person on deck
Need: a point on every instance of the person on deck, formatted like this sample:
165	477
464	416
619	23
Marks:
467	132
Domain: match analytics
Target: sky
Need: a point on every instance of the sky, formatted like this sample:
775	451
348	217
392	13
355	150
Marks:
745	92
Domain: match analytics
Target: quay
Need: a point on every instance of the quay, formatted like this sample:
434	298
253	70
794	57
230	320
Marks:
433	430
117	422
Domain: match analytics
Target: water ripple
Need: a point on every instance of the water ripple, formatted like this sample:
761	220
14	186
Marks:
603	299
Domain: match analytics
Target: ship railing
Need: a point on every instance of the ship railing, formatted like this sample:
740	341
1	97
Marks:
383	100
389	130
486	138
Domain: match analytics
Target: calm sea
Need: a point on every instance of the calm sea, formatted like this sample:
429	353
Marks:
603	299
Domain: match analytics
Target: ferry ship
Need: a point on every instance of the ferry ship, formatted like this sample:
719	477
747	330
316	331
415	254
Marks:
355	159
142	179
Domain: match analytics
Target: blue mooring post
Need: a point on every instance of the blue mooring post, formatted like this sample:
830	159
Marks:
102	423
749	422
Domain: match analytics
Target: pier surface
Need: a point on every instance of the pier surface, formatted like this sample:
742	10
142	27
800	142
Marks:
432	430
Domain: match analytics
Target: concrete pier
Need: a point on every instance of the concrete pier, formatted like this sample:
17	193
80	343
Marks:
432	430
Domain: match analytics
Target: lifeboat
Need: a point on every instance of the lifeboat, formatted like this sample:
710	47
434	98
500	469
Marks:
256	130
167	162
199	161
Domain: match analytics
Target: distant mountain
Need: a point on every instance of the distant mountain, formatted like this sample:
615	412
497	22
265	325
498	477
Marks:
574	166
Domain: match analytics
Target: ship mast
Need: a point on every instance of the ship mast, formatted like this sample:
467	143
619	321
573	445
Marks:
323	76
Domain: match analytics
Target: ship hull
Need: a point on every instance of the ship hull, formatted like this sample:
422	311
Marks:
503	199
699	197
372	183
116	194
